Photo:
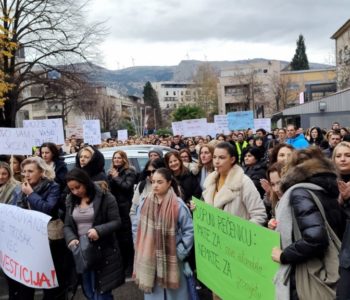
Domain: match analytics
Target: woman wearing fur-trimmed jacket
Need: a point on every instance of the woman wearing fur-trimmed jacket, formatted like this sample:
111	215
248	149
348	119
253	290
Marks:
229	189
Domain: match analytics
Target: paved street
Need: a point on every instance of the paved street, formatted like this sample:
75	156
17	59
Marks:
125	292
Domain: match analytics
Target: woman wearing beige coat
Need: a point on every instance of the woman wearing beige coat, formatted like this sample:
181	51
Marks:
229	189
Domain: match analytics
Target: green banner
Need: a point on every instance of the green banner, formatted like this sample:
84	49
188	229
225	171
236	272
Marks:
233	256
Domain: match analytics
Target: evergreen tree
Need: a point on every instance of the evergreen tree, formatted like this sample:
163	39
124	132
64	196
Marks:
300	61
151	99
188	112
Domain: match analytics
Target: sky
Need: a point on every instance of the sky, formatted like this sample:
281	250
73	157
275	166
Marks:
164	32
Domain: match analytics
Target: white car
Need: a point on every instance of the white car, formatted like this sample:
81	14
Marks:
137	155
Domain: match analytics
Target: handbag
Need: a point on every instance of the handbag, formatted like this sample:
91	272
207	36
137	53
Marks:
55	229
317	278
86	255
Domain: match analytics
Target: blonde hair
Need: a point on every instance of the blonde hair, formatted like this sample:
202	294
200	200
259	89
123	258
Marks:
341	144
48	171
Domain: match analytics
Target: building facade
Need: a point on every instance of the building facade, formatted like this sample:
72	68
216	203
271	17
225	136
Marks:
342	54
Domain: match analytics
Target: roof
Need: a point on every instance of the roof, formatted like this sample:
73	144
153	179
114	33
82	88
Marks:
341	30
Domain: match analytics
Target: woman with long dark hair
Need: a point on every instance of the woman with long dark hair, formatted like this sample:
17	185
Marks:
93	211
163	237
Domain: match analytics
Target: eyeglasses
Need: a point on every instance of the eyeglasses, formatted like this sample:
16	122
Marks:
149	172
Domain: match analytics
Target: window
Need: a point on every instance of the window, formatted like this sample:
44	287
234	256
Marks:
174	93
167	93
340	56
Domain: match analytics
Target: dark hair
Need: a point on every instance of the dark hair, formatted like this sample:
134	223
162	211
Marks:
276	167
346	138
166	173
157	164
232	151
167	156
186	150
221	135
53	149
82	177
317	141
276	149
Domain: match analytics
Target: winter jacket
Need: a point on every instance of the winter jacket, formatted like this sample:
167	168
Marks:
60	173
109	272
255	173
298	142
95	167
314	240
238	195
189	186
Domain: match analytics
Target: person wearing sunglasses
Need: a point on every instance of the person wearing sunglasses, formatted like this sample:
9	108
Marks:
145	185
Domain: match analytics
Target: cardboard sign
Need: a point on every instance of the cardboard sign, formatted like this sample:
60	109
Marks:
221	122
264	123
44	131
92	132
240	120
123	135
177	128
16	141
233	256
194	127
24	247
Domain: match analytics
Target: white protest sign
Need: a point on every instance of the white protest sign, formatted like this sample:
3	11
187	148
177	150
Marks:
92	132
123	135
24	247
16	141
221	122
211	129
194	127
177	128
44	131
105	135
74	129
262	123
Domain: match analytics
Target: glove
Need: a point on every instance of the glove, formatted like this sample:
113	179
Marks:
187	269
181	252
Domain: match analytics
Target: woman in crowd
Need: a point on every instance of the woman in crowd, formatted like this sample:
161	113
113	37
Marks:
282	153
316	136
341	158
192	148
40	192
254	167
188	182
145	185
229	189
50	154
163	235
316	174
94	212
186	158
205	163
7	183
16	161
121	179
92	161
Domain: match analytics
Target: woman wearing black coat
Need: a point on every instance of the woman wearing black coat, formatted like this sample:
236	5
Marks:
307	166
121	179
189	185
92	161
94	211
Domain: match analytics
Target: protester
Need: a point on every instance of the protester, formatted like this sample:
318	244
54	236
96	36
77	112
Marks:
334	138
155	153
16	161
316	174
316	136
298	141
341	158
121	179
7	184
163	237
92	161
93	211
187	181
186	158
40	192
281	153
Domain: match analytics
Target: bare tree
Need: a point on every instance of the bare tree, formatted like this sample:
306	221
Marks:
52	33
281	89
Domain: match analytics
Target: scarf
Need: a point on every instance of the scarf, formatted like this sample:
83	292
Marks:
7	191
285	228
155	247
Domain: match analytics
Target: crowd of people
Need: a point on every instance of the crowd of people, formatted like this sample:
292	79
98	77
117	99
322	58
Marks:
142	223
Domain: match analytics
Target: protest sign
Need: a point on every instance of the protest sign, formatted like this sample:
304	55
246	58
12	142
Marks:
105	135
44	131
240	120
23	240
16	141
74	129
221	122
233	256
123	135
194	127
92	132
177	128
264	123
211	129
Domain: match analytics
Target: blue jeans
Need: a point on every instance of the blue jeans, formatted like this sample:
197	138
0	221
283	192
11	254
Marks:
89	288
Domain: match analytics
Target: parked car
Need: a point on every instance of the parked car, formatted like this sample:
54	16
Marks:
137	155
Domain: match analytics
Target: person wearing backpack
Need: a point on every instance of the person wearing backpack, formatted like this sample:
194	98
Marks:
308	205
